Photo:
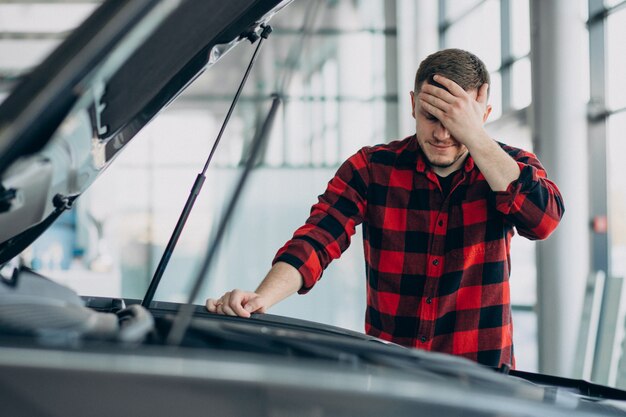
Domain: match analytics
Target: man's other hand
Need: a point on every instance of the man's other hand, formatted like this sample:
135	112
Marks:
237	303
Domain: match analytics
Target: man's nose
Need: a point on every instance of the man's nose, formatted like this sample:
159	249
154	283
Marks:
441	133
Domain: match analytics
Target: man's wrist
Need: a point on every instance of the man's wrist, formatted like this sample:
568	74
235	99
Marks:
498	167
480	142
281	281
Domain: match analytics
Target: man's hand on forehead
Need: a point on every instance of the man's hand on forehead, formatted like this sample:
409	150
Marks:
462	112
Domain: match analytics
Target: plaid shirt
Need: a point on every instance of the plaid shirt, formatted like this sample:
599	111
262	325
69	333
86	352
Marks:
437	266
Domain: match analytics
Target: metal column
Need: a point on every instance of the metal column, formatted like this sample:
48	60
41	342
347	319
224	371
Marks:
559	132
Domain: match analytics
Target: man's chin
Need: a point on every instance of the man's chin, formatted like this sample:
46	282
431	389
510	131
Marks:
444	162
441	163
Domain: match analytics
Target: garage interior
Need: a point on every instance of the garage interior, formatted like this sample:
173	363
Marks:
344	69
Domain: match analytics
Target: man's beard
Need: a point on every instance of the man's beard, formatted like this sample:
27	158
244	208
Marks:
437	165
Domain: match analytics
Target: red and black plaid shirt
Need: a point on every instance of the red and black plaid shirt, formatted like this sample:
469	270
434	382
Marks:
437	265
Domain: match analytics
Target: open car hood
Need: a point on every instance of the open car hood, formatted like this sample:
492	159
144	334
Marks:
70	117
265	365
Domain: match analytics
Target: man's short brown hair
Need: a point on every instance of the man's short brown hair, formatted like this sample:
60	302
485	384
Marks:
462	67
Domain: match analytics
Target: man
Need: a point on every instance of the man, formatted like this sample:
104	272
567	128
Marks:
438	210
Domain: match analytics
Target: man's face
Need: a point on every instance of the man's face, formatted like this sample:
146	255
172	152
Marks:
444	153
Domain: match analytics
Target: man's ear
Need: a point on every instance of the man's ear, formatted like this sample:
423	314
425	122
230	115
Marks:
487	112
412	104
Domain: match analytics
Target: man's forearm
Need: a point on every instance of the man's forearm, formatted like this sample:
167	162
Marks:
280	282
496	165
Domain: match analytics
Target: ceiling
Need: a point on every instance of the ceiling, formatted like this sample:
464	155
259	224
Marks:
30	30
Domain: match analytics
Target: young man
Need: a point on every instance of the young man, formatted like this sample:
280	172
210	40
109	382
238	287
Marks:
438	210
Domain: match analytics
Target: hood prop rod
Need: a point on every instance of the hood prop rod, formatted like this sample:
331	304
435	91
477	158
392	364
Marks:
252	36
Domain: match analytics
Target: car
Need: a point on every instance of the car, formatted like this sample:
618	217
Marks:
61	354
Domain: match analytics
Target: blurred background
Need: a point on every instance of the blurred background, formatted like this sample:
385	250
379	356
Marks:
344	69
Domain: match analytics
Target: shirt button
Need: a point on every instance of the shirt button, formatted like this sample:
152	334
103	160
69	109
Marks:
440	223
423	339
436	262
429	300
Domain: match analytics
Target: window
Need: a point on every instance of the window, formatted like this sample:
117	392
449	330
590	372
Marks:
479	33
616	59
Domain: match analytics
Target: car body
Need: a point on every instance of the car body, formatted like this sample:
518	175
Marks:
61	354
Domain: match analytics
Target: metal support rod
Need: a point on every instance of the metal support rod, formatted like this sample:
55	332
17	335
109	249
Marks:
197	186
559	126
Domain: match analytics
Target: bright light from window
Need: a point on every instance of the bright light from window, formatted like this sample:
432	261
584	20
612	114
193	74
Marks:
617	193
43	17
611	3
18	52
520	28
20	55
331	112
616	59
458	8
521	89
495	96
479	33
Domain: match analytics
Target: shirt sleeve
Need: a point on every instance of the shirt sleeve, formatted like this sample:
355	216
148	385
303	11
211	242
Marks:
532	203
331	224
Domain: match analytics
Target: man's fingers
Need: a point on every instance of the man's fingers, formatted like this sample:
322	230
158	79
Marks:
452	87
223	307
439	92
237	299
434	100
435	111
226	310
482	93
211	305
255	306
236	303
215	306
